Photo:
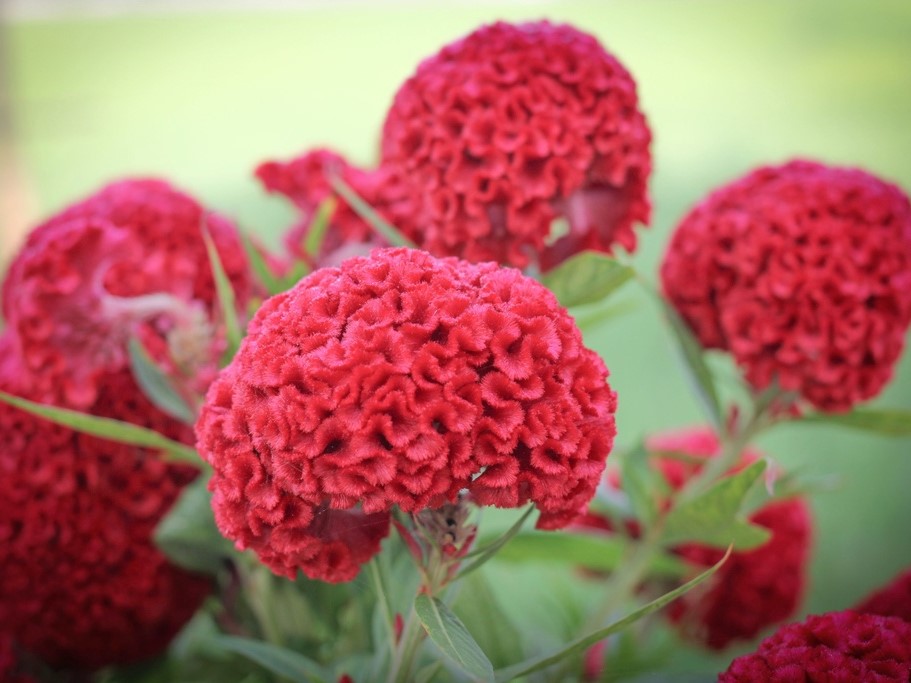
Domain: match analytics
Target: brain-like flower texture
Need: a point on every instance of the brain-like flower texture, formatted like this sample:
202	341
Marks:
83	585
129	260
400	380
838	647
511	127
802	272
755	588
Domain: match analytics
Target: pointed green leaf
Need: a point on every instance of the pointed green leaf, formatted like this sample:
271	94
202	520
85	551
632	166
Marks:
884	421
156	385
319	225
450	635
488	551
697	371
107	428
601	552
579	645
226	300
478	605
279	660
261	269
713	517
428	673
383	228
188	535
586	278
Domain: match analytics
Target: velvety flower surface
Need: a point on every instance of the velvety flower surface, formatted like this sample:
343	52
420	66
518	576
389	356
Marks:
838	647
755	588
305	181
401	379
128	260
802	272
893	600
511	127
81	582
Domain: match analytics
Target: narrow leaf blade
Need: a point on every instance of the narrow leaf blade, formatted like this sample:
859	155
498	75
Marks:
107	428
884	421
156	385
385	229
582	643
279	660
226	300
494	547
261	269
450	635
586	278
319	226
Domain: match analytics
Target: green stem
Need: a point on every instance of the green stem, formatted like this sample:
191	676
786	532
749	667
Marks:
403	658
380	589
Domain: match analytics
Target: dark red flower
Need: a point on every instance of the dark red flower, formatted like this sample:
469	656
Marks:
838	647
401	379
128	260
893	600
10	666
803	273
305	181
83	585
510	128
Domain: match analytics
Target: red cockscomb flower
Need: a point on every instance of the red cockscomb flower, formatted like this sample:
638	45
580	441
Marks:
893	600
754	589
305	181
838	647
510	128
803	273
128	260
83	585
401	379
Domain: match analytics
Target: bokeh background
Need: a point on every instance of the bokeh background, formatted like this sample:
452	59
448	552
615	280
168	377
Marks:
200	93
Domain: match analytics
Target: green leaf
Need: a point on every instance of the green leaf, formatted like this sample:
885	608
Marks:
701	380
427	673
260	267
156	385
713	517
107	428
385	229
580	644
638	482
586	278
279	660
188	535
884	421
226	299
478	605
450	635
491	549
599	552
316	232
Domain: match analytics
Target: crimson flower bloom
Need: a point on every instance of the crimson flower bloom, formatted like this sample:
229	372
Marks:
838	647
83	585
754	588
893	600
511	127
803	273
128	260
400	379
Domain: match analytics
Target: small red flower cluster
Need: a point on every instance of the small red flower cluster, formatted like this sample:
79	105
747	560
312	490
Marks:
838	647
803	273
753	589
83	585
129	257
893	600
511	127
400	379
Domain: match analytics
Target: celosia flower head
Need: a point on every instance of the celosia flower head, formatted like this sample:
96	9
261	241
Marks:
83	584
400	380
127	260
803	273
511	127
838	647
893	600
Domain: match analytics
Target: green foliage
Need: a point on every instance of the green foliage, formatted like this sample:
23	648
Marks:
261	269
382	227
285	663
227	302
586	278
489	550
449	634
156	385
882	421
478	605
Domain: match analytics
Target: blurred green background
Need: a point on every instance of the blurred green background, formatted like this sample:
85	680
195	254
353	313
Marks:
201	98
